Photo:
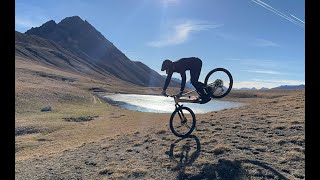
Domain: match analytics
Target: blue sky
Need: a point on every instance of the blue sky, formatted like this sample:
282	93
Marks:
261	42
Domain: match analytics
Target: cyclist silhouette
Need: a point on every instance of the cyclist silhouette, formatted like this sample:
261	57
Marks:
194	65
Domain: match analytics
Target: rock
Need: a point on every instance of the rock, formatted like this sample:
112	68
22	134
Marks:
47	108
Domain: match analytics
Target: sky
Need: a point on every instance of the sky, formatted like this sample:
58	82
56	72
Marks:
261	42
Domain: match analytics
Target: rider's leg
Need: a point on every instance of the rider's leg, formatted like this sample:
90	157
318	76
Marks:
203	95
199	88
195	73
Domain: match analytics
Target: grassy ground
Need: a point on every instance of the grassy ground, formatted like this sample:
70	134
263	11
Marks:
83	137
71	101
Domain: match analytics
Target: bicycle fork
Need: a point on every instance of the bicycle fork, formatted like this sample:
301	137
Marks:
183	119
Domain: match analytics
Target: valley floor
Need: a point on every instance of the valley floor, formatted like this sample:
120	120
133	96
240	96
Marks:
263	140
83	137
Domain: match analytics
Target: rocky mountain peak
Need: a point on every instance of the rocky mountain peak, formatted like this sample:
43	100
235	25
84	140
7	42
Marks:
71	20
82	39
50	23
75	23
43	29
75	33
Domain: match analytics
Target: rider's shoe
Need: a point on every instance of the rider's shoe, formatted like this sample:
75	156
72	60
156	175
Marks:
204	99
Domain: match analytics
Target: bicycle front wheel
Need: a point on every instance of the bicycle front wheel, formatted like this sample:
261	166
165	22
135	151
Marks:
218	82
182	122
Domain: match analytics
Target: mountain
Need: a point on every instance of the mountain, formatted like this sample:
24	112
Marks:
52	54
282	87
245	88
81	39
189	85
264	88
76	34
290	87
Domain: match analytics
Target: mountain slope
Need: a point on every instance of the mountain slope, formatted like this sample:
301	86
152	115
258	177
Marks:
52	54
76	34
81	38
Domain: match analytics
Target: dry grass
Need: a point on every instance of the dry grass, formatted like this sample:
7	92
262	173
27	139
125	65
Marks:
68	100
123	173
263	140
220	149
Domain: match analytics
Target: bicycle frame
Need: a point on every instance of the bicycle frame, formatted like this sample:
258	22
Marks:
218	83
177	100
189	92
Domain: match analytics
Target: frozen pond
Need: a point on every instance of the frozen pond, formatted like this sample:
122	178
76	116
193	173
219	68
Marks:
161	104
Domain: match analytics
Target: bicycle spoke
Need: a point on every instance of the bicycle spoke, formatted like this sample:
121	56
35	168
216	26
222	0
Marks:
188	126
220	82
180	122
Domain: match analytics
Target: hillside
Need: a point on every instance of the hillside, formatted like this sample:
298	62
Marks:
83	40
52	54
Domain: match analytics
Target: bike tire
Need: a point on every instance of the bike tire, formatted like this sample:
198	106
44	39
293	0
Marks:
229	79
177	114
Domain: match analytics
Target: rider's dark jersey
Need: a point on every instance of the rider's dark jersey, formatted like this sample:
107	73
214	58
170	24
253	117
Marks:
181	66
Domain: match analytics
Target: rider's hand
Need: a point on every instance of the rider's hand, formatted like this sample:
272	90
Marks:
164	93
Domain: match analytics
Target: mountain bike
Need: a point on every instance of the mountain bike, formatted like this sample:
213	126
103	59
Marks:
217	84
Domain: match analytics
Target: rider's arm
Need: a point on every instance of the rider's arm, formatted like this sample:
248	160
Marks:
167	80
183	80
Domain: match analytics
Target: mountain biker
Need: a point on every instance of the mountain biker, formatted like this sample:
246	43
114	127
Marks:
193	64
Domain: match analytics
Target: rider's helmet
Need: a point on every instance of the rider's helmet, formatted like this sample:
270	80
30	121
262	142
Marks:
166	64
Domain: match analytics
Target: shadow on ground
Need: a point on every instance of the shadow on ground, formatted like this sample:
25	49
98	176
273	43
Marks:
185	151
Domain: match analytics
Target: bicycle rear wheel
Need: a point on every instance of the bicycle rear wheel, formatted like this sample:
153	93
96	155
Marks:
218	83
182	121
